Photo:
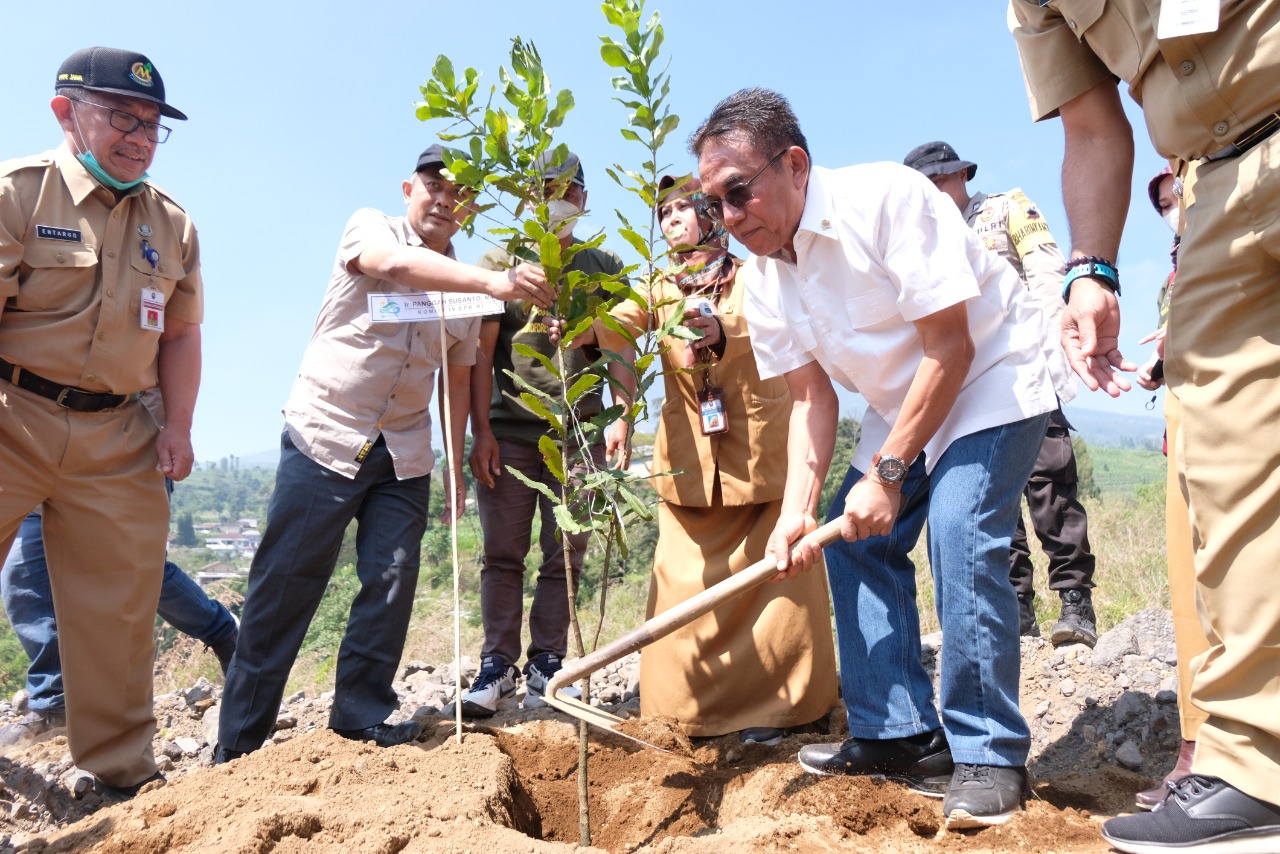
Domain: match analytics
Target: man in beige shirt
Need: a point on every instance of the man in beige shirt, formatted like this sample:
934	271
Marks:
1205	75
97	258
357	445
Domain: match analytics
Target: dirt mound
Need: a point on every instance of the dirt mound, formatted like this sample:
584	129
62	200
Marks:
1103	726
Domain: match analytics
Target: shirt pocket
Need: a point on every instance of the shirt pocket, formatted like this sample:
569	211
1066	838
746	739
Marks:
872	308
140	277
57	277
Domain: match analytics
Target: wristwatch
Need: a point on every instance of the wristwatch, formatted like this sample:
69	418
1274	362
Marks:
889	468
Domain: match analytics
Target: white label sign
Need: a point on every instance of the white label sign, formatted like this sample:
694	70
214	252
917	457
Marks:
406	308
1187	18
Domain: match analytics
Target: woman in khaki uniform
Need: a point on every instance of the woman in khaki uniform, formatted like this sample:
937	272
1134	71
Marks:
763	661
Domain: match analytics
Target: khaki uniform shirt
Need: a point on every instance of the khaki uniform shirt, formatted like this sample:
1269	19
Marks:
72	273
1199	93
359	378
1012	226
749	462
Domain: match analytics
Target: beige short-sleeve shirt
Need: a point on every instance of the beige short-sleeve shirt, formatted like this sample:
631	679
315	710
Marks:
72	272
1199	93
360	378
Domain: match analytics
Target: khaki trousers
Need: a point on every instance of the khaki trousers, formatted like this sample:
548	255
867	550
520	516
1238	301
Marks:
1223	363
106	520
1188	634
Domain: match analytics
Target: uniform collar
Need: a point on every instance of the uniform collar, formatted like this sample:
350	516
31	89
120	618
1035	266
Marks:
79	182
975	204
818	217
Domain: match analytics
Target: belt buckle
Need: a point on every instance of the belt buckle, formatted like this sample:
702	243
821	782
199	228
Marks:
62	397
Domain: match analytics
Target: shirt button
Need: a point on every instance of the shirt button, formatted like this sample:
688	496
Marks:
102	336
111	253
1221	127
91	377
393	397
1187	66
1071	24
110	292
62	259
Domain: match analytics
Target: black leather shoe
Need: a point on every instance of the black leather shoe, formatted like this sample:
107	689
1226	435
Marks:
984	795
920	762
120	794
223	755
384	735
1200	814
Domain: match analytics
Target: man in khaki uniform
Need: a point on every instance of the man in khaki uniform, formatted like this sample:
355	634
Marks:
1011	226
1206	78
94	256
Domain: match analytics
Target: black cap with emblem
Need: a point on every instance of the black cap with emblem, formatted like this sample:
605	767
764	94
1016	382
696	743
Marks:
122	72
938	158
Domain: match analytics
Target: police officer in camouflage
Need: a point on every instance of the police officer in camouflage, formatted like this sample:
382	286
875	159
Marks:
1011	225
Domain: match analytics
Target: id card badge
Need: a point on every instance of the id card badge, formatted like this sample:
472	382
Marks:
152	317
1187	18
711	410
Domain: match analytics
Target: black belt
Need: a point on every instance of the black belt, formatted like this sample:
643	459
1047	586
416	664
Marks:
1246	140
73	398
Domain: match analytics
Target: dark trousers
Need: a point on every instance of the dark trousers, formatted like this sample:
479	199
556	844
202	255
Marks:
309	511
1057	516
506	515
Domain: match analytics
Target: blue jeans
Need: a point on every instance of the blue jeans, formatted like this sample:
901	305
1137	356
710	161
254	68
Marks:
309	512
29	603
971	502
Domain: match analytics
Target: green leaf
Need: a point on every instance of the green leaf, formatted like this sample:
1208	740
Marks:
613	56
539	408
566	522
443	71
551	456
581	386
532	484
528	352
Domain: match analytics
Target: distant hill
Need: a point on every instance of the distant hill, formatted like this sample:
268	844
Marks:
1116	430
1108	429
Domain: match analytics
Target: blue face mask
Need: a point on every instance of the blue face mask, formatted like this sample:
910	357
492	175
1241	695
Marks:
91	163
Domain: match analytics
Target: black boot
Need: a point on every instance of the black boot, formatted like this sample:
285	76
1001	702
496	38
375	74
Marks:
1027	625
1078	624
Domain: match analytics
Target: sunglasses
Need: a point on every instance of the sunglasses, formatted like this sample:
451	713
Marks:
127	123
739	195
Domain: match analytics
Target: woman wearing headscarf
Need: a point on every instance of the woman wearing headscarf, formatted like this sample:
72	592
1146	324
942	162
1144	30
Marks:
763	661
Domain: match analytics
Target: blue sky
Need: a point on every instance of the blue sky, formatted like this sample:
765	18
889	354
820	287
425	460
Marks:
300	114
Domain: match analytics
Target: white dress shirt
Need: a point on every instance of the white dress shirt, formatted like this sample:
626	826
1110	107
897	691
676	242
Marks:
877	248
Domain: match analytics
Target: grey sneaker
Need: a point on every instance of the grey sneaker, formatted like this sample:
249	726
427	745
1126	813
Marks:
537	673
984	795
1200	814
34	723
1027	625
1078	624
496	680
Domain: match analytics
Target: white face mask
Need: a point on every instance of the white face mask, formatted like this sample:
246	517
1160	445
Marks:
1172	218
560	214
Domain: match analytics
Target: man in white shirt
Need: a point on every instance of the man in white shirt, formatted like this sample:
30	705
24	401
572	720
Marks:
869	277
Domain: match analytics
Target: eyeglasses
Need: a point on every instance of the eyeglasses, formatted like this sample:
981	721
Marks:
127	123
739	195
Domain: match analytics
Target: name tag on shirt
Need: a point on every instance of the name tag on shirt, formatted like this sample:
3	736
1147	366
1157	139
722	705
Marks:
1187	18
52	232
408	308
152	317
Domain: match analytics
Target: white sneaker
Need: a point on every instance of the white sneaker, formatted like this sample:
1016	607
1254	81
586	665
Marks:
496	680
537	673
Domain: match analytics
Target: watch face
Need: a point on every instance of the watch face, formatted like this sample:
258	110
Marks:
891	469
